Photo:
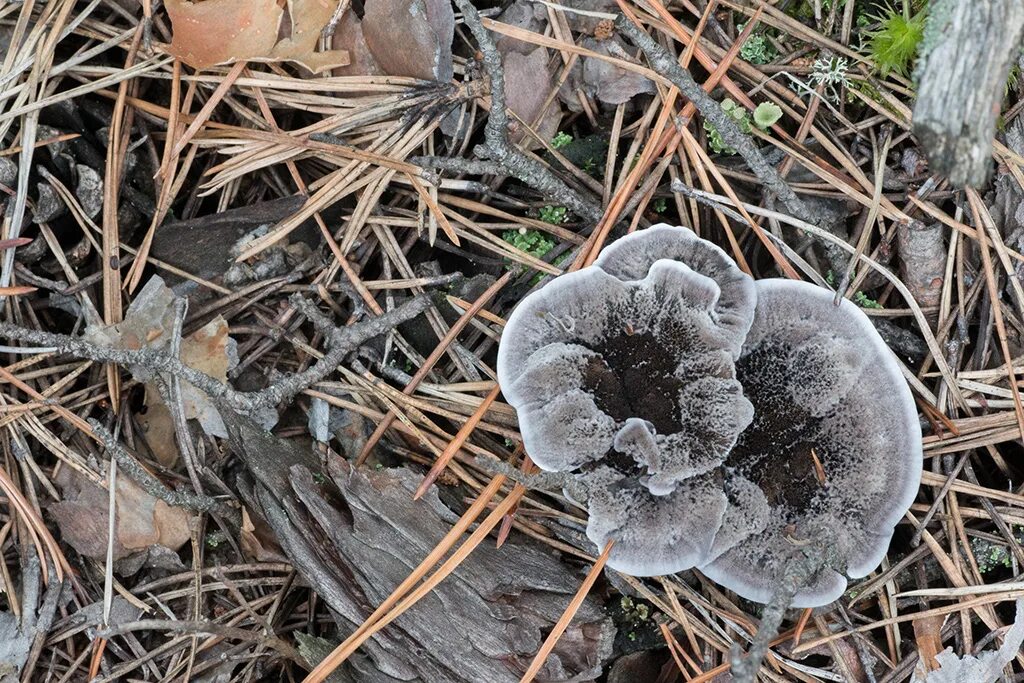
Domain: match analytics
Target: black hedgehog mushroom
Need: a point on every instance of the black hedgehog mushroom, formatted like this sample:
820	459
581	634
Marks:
715	422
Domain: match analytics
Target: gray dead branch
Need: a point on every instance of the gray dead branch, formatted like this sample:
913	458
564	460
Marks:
968	49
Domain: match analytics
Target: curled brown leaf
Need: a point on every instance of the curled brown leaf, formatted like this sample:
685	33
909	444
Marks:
209	32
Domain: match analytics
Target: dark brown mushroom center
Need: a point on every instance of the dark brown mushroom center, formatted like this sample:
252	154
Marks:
635	378
779	448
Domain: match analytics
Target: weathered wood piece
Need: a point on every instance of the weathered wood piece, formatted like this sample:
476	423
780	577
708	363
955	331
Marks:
968	48
922	260
354	535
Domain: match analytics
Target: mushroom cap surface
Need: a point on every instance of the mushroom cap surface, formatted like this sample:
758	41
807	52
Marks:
623	373
824	387
631	258
594	364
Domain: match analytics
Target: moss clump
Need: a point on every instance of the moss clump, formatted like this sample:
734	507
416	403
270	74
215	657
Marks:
894	44
533	242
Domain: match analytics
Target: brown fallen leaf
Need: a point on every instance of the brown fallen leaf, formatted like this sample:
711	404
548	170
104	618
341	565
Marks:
527	15
605	81
149	322
411	37
348	36
209	32
142	520
527	84
928	636
257	540
158	427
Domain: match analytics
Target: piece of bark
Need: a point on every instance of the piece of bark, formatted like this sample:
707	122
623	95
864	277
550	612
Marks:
922	260
202	246
967	51
355	535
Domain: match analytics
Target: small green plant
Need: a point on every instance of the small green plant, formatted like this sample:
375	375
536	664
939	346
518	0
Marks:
859	298
995	556
893	45
533	242
561	140
634	612
1012	79
659	205
765	115
864	301
757	49
555	215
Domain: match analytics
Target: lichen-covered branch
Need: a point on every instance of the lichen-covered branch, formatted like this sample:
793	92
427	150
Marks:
340	342
798	572
667	65
147	481
498	148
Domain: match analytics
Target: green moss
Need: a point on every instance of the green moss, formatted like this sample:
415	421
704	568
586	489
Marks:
893	46
859	298
864	301
533	242
561	140
555	215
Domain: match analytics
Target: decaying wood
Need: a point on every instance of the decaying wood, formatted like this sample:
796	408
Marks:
968	49
922	260
355	535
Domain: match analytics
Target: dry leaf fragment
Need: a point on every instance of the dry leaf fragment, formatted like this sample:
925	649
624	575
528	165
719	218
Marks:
607	82
928	636
149	322
158	427
527	15
257	540
987	667
411	37
209	32
142	520
348	36
527	84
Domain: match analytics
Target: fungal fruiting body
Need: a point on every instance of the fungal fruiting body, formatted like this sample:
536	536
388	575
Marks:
715	422
835	443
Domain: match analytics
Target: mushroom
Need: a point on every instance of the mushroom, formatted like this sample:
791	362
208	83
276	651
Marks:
631	258
623	374
835	444
715	422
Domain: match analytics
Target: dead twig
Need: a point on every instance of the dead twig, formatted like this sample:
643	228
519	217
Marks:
341	341
497	147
